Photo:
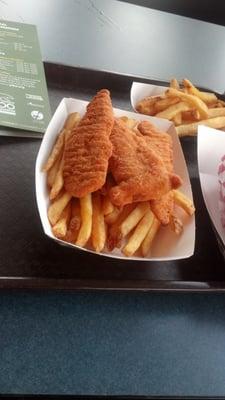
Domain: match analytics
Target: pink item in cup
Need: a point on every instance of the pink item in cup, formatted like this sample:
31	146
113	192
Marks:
221	175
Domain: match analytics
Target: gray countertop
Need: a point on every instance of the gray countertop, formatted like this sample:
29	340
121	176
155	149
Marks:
115	36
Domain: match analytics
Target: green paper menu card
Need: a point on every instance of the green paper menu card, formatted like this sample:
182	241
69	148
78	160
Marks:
24	104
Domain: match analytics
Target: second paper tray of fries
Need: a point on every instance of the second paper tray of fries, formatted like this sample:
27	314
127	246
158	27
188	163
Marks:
168	244
181	103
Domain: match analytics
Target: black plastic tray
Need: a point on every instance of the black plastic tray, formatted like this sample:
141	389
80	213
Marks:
28	259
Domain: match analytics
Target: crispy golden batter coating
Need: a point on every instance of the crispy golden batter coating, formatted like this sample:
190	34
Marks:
138	170
88	148
163	208
161	142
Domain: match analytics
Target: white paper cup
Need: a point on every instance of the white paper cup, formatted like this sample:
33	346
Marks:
211	148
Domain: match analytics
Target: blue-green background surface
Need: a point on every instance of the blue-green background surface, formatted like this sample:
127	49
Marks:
112	343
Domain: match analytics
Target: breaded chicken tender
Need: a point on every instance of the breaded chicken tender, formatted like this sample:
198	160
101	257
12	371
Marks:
88	148
161	143
138	170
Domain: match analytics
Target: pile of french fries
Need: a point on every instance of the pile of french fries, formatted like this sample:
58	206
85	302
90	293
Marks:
186	106
93	221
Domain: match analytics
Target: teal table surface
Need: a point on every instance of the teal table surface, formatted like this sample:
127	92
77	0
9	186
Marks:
112	343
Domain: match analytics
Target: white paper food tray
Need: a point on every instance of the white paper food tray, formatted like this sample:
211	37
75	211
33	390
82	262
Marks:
211	148
167	245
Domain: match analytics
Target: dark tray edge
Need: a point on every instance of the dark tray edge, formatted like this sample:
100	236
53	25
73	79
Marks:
111	285
110	397
50	67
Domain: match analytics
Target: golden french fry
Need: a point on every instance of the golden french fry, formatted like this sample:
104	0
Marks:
204	96
174	84
176	224
52	165
177	119
216	112
86	220
221	103
58	182
130	123
207	97
173	110
191	129
194	101
184	202
51	173
60	228
136	130
56	208
98	234
114	232
191	115
72	120
107	206
133	124
124	118
215	104
185	90
56	151
147	110
112	217
147	242
139	234
146	105
163	103
134	217
74	223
